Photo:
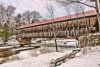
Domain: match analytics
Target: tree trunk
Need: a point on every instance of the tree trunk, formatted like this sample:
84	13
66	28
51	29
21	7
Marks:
55	41
56	45
98	15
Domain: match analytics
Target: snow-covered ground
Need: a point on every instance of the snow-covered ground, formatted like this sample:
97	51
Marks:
39	61
91	59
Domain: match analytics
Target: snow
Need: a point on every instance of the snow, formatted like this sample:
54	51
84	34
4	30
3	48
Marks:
79	54
6	47
91	59
39	61
96	34
22	48
24	55
12	37
12	42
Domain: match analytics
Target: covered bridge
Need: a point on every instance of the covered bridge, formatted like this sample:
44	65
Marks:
73	25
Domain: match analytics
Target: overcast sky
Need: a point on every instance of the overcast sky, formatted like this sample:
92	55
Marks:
39	5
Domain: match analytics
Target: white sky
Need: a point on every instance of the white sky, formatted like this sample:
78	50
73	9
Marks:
39	5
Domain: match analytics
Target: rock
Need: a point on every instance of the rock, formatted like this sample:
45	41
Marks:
3	60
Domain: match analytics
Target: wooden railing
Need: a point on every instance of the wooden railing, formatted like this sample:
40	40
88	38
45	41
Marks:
50	34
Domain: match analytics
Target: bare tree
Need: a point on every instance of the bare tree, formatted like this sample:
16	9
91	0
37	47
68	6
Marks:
35	16
6	14
18	19
26	16
2	14
6	18
9	13
31	16
51	13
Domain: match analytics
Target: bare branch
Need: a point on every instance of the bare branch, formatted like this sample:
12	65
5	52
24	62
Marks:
50	9
70	2
83	4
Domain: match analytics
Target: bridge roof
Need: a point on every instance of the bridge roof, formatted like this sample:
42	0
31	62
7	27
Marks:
73	16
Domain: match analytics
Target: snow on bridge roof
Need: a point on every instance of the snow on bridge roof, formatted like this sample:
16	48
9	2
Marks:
73	16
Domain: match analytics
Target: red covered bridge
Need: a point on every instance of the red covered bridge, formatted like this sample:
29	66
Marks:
72	25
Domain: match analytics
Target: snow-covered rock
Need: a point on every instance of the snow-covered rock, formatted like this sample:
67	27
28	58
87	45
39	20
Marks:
12	37
12	42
